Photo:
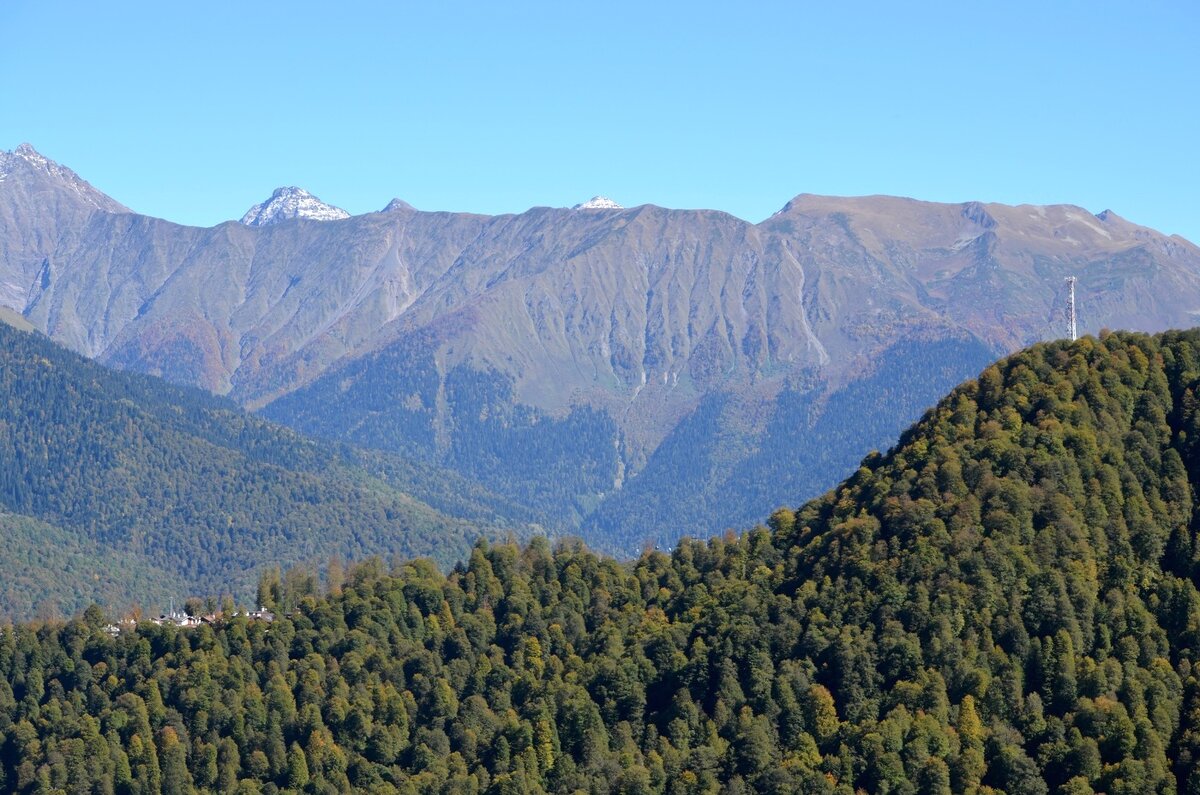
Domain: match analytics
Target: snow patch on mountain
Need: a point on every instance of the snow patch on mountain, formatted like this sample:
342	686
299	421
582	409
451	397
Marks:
292	202
598	203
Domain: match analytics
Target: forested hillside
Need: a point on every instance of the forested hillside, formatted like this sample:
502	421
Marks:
49	572
185	488
1005	603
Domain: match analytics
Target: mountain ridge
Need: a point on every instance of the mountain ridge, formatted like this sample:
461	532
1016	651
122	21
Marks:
625	320
28	152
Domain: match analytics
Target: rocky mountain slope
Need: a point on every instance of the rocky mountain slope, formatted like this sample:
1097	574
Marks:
574	359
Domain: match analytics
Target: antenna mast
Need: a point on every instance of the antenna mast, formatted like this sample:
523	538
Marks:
1071	308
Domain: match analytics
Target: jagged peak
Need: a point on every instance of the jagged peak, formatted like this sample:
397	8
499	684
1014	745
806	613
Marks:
33	157
25	156
27	151
291	202
598	203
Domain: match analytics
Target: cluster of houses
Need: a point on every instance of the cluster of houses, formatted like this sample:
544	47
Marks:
180	619
177	618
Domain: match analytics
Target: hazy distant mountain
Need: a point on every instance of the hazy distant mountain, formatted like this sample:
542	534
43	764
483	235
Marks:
993	269
621	369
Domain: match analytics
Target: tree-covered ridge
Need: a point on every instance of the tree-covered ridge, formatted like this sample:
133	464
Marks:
185	483
1005	603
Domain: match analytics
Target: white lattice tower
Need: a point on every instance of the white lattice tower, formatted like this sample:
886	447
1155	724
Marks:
1071	329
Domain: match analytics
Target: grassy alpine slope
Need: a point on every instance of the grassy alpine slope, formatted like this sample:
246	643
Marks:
1005	603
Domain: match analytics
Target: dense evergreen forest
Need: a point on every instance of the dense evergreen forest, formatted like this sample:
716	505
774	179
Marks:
1005	603
48	572
164	485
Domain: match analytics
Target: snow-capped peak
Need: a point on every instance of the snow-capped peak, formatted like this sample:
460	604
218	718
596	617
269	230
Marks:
598	203
292	202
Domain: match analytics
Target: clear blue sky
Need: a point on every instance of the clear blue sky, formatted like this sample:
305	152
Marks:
194	111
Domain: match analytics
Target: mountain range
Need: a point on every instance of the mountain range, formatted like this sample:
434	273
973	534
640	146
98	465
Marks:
633	374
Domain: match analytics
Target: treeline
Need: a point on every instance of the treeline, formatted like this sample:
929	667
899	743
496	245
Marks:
1005	603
